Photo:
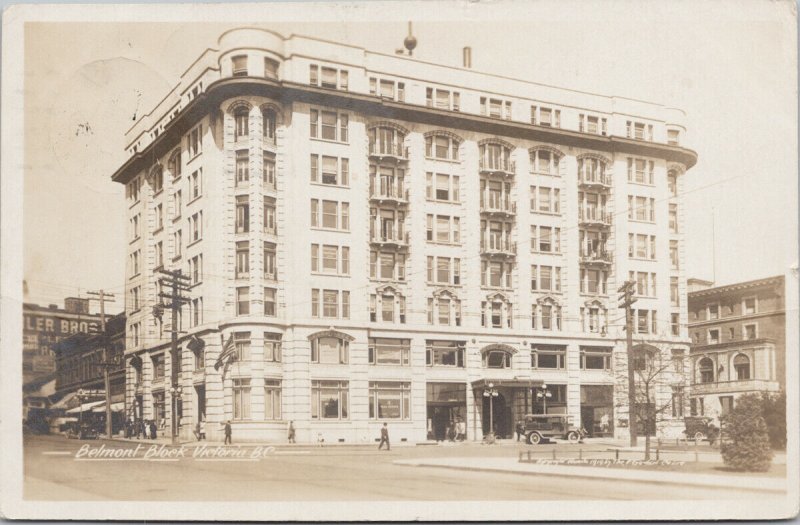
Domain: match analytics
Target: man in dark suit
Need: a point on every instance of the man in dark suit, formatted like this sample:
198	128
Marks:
228	440
384	438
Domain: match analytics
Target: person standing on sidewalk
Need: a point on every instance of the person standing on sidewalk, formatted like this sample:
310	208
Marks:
228	431
291	432
385	438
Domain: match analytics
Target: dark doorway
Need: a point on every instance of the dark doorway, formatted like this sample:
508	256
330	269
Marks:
501	415
446	410
200	395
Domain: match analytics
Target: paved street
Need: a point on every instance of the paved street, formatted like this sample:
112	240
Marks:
307	473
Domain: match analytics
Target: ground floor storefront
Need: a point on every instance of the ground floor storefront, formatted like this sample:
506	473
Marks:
341	386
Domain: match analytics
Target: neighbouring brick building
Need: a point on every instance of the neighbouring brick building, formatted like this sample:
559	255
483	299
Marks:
738	336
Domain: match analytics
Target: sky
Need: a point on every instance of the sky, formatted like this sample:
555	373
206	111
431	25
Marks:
732	69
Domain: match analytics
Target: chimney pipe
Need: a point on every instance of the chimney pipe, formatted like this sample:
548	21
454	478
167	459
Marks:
468	57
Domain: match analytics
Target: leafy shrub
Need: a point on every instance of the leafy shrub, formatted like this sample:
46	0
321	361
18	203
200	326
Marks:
745	444
773	410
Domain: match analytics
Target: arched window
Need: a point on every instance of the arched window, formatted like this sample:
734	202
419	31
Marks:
442	145
495	156
174	164
269	120
706	369
545	161
592	170
156	178
387	141
496	357
241	118
741	364
329	349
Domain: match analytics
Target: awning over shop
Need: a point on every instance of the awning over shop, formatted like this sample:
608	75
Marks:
115	407
514	383
64	402
86	407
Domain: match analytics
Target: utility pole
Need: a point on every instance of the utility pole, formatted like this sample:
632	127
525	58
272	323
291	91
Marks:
178	283
101	296
626	300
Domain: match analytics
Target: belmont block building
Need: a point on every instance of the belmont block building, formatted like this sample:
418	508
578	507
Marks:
387	240
738	336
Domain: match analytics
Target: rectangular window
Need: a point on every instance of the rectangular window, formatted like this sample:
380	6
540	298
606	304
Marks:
445	353
270	225
750	331
268	170
673	254
595	358
749	306
243	300
239	63
389	400
242	214
675	324
329	399
272	399
674	293
673	218
270	266
393	352
242	259
329	125
548	357
677	401
272	347
194	141
241	399
196	183
242	167
241	341
270	303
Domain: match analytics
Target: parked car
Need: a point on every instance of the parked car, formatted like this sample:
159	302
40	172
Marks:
84	431
700	428
538	427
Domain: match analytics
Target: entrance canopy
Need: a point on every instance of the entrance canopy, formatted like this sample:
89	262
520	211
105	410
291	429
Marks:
514	383
85	407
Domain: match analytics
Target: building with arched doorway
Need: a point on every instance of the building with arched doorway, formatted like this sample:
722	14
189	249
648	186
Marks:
371	238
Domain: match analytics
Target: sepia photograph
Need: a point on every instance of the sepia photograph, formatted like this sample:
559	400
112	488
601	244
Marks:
450	260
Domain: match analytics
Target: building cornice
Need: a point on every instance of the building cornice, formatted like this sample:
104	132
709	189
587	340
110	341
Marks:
719	290
743	343
286	92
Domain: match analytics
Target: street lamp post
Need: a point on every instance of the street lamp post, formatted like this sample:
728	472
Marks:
491	393
175	394
542	393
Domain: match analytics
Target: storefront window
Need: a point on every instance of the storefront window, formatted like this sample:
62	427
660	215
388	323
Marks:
329	399
389	400
445	353
389	351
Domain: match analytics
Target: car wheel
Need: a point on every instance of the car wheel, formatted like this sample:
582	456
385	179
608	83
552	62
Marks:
534	438
573	437
699	436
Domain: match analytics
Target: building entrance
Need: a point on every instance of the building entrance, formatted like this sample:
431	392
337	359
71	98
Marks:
597	410
446	411
500	414
200	395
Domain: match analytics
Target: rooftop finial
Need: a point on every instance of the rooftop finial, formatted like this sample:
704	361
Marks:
410	42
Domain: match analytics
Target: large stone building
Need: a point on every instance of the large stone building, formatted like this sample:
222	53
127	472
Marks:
43	327
386	239
738	336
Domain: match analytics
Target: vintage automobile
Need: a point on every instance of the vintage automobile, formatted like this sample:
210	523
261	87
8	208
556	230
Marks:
699	428
76	430
537	427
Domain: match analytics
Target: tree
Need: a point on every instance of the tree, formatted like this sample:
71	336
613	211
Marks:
773	410
745	439
653	388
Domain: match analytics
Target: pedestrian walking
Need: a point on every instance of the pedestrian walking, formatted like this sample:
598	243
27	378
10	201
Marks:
228	431
520	429
146	429
384	438
153	431
291	432
197	431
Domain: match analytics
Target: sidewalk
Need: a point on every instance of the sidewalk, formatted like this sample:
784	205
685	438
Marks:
513	466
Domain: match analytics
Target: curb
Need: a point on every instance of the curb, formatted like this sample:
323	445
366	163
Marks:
689	481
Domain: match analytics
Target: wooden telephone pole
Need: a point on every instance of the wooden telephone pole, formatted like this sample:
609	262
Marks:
626	300
101	296
177	282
